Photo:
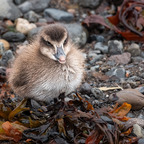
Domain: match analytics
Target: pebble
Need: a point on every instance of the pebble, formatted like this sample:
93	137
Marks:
77	33
13	36
90	3
17	2
1	48
115	47
35	5
118	72
58	15
5	44
31	16
95	37
97	93
96	58
9	10
7	58
94	68
124	58
138	130
23	26
32	33
141	141
134	49
85	88
140	116
100	46
141	89
134	78
137	59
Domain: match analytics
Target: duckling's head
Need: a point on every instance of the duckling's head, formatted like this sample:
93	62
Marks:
54	42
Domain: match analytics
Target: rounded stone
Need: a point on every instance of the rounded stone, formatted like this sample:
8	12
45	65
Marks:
14	36
5	44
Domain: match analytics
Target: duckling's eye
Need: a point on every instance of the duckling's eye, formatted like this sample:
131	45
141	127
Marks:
66	40
48	43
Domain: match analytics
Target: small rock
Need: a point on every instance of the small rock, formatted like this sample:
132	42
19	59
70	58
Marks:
94	68
133	121
95	37
13	36
131	96
1	48
97	93
115	47
101	47
137	59
141	141
118	72
90	3
42	20
9	10
5	44
58	15
140	116
134	78
7	58
31	16
134	49
142	54
23	26
95	102
97	58
17	2
141	89
137	130
35	5
107	119
77	33
32	33
121	59
85	88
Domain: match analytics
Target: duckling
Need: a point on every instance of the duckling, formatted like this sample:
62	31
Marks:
49	66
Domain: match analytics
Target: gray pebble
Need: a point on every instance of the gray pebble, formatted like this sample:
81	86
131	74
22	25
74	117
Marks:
97	93
58	15
115	47
31	16
13	36
101	47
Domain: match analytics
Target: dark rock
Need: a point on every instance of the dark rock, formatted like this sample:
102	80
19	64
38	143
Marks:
115	47
141	89
141	141
35	5
2	49
85	88
134	49
107	119
121	59
101	47
137	59
118	72
32	33
58	15
90	3
97	93
77	33
9	10
31	16
14	36
17	2
134	78
7	58
97	58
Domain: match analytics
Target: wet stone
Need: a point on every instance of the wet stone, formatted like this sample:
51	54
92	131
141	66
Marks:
58	15
77	33
134	49
115	47
14	36
85	88
17	2
7	58
100	46
9	10
35	5
31	16
90	3
1	48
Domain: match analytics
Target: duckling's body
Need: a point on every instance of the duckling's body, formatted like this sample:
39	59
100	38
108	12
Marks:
42	76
